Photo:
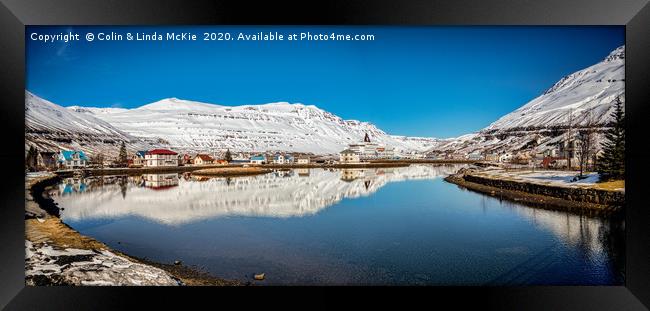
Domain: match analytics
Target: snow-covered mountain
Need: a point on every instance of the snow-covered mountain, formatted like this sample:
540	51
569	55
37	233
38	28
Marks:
195	126
191	126
589	93
592	90
51	127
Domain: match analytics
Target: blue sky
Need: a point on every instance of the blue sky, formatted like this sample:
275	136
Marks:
416	81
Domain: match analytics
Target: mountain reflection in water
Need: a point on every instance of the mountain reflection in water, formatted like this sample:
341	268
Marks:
175	200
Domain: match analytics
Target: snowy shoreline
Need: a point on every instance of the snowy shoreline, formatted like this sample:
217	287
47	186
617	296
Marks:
56	254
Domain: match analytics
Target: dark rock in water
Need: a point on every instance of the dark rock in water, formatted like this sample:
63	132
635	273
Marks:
177	262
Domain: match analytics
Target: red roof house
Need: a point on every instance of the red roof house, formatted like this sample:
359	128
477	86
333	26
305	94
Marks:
162	151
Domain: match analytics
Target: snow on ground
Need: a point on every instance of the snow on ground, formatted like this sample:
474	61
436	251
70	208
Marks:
554	178
33	175
46	265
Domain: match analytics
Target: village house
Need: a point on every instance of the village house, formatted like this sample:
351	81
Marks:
258	159
46	160
161	157
521	158
279	159
553	162
220	162
491	157
475	156
506	157
202	159
303	160
454	156
432	156
72	159
282	159
137	160
185	159
349	156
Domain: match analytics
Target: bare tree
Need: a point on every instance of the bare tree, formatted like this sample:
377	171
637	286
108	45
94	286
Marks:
569	140
587	137
98	160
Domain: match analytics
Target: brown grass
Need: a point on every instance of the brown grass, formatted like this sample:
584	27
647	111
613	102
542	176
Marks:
611	185
54	232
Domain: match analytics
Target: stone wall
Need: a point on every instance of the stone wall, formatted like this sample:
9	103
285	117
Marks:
595	196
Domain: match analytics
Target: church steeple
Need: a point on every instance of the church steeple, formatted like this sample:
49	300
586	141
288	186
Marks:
366	139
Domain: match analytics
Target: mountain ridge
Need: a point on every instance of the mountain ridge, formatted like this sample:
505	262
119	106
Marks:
192	126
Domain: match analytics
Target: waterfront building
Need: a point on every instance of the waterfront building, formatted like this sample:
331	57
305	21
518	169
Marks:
258	159
138	158
202	159
161	157
349	156
72	159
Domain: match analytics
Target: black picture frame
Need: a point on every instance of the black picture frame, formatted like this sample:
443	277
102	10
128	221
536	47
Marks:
635	15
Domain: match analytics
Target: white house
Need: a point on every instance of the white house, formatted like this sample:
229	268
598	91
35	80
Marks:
303	160
475	156
279	159
202	159
72	159
491	157
349	156
161	157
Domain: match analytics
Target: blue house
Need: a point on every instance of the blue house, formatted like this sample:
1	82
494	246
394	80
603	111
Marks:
72	159
258	159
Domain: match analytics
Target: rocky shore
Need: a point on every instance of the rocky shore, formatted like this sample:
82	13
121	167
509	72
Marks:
576	199
56	254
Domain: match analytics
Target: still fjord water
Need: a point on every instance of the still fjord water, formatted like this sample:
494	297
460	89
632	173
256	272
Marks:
392	226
